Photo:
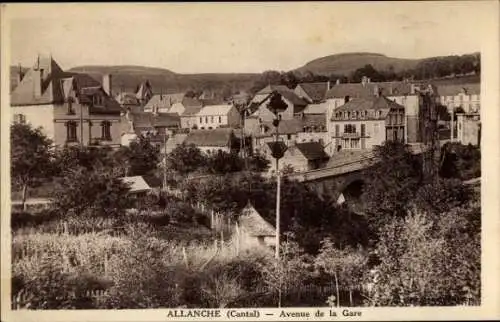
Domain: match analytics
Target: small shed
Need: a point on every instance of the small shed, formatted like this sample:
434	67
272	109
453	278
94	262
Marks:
253	230
137	185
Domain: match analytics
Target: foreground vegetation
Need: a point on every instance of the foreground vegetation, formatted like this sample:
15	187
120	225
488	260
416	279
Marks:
417	241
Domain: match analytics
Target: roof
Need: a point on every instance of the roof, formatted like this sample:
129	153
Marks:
220	137
270	88
368	89
368	103
215	110
252	222
298	103
191	110
312	150
345	156
285	127
316	91
164	101
137	184
144	90
175	140
127	99
316	120
452	89
150	120
57	86
211	101
315	109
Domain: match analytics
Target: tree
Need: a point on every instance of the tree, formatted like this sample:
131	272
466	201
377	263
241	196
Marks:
258	163
345	265
222	162
91	158
426	261
139	158
31	157
186	159
283	274
390	183
98	190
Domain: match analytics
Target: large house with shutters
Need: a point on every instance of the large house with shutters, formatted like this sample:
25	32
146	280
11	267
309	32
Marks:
362	123
71	108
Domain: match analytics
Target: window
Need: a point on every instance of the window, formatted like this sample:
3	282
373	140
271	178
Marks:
201	119
220	119
71	131
206	119
211	119
20	118
337	130
289	136
349	128
71	110
106	131
363	130
97	100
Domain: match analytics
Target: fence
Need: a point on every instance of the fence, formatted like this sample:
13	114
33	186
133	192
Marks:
22	300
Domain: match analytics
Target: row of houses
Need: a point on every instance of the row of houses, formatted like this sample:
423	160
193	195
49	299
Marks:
74	108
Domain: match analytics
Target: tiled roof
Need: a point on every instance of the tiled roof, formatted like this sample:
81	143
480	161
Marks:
270	88
215	110
316	91
220	137
127	99
136	184
452	90
315	109
361	90
57	85
144	120
314	120
252	222
191	110
164	101
285	127
312	150
368	103
211	101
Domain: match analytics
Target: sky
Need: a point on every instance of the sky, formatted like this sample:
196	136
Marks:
242	37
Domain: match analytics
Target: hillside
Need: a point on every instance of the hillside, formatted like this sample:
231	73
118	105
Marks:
344	64
126	78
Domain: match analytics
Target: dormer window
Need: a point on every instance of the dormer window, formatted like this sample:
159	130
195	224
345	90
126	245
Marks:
98	100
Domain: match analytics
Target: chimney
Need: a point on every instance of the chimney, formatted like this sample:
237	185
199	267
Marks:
106	83
337	82
377	91
365	80
20	74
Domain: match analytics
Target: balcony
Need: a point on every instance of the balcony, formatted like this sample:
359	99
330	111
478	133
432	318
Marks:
353	135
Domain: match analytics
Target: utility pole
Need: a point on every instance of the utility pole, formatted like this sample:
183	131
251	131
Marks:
278	219
165	163
81	125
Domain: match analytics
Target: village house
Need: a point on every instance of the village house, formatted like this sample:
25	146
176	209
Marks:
186	103
469	128
300	157
363	123
156	126
215	116
288	131
312	92
135	102
162	103
403	93
71	108
260	110
252	230
466	97
208	141
314	124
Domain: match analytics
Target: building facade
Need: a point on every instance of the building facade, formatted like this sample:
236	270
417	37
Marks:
71	108
215	116
363	123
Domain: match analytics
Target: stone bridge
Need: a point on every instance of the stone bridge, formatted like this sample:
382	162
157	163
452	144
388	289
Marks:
343	180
